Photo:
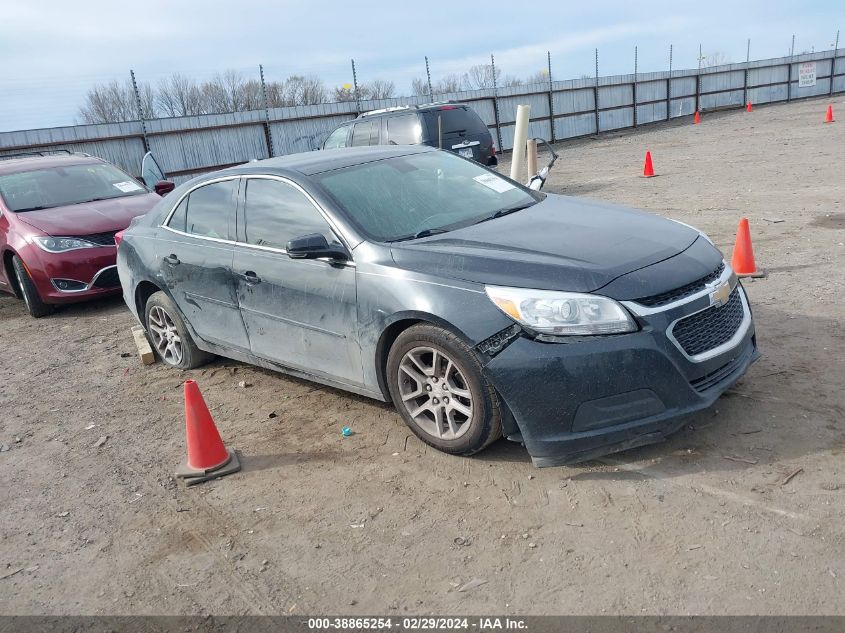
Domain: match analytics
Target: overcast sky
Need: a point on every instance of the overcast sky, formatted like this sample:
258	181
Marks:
53	50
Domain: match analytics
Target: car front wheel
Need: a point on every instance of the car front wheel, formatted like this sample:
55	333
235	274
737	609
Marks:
34	305
169	336
436	384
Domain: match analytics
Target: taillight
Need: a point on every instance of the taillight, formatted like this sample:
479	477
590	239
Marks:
118	237
449	107
492	149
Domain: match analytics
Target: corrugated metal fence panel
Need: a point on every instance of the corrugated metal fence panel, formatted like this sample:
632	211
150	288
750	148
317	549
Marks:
722	99
768	75
536	129
839	68
682	87
578	125
304	135
615	119
711	82
574	101
68	134
822	86
507	107
486	109
126	153
651	112
613	96
682	107
202	150
650	91
767	94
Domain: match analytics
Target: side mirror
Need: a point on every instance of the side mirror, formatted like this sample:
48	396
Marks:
163	187
315	246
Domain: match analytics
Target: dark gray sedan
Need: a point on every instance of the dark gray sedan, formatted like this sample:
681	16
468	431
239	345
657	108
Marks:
479	307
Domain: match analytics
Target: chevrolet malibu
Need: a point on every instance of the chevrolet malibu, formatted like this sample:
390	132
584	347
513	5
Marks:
481	308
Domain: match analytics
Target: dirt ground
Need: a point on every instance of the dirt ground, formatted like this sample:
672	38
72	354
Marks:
709	522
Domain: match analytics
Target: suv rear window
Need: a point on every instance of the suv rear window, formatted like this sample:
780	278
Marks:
460	119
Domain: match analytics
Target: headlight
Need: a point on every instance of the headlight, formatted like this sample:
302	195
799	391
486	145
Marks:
562	313
62	244
700	232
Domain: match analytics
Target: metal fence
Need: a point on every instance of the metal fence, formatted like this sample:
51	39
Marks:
187	146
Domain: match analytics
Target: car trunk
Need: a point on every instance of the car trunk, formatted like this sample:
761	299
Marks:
459	130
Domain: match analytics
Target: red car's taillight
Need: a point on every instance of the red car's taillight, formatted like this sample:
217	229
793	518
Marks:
118	237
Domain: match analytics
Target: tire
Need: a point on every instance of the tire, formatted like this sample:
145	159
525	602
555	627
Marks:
34	305
422	381
169	336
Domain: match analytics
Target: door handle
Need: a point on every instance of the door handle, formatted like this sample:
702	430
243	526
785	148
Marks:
172	259
250	277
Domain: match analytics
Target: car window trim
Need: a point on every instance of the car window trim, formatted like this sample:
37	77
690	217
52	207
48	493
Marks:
170	213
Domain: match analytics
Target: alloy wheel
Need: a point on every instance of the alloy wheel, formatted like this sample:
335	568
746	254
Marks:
435	393
165	336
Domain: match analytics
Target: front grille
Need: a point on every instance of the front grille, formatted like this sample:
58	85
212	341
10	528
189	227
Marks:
723	373
665	298
710	328
108	279
102	239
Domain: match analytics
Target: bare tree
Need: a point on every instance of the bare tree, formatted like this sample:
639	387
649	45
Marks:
344	93
510	80
378	89
300	90
448	83
179	96
715	59
481	76
419	86
540	77
115	101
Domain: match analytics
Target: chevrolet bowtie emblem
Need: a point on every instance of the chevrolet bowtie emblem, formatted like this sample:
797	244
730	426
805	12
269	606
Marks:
721	295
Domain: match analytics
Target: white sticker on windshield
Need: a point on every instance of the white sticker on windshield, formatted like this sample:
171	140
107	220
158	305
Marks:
126	186
499	185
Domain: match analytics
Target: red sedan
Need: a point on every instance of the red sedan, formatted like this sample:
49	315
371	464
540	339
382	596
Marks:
58	219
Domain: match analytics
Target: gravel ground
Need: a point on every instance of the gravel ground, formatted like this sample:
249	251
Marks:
709	522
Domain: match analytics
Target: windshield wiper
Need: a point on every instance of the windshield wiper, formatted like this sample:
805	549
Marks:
31	209
419	234
506	211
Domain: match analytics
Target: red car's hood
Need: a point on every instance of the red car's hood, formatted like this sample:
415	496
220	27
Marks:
90	217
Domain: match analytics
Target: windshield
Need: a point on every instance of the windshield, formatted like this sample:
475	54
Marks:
60	186
421	194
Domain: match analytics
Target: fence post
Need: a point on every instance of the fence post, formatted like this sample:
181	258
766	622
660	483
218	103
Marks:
268	133
833	63
428	76
496	103
634	87
596	93
141	117
355	86
669	86
745	81
698	80
552	97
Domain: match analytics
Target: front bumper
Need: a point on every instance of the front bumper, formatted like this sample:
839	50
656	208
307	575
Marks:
591	396
92	269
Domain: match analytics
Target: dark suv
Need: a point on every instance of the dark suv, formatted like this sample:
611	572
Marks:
452	126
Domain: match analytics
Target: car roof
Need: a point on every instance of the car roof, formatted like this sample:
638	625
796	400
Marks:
31	163
423	107
310	163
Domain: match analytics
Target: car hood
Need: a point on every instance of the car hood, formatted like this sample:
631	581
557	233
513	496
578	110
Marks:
560	243
90	217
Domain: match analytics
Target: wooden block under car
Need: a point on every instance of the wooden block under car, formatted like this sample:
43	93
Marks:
145	352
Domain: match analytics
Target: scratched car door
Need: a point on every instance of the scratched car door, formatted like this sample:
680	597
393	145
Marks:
299	313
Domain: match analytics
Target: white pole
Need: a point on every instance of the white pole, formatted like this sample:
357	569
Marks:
520	135
532	157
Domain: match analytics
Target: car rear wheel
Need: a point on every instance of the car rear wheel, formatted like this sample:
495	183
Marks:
169	336
34	305
436	384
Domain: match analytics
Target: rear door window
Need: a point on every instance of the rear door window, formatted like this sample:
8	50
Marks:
207	210
404	130
458	120
365	133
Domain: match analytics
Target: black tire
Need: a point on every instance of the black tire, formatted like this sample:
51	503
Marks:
34	305
191	355
485	423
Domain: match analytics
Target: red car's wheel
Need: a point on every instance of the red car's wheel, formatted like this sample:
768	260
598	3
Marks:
34	305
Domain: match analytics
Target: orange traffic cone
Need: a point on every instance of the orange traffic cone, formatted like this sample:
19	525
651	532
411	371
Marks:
648	168
696	119
828	118
748	107
743	257
208	458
